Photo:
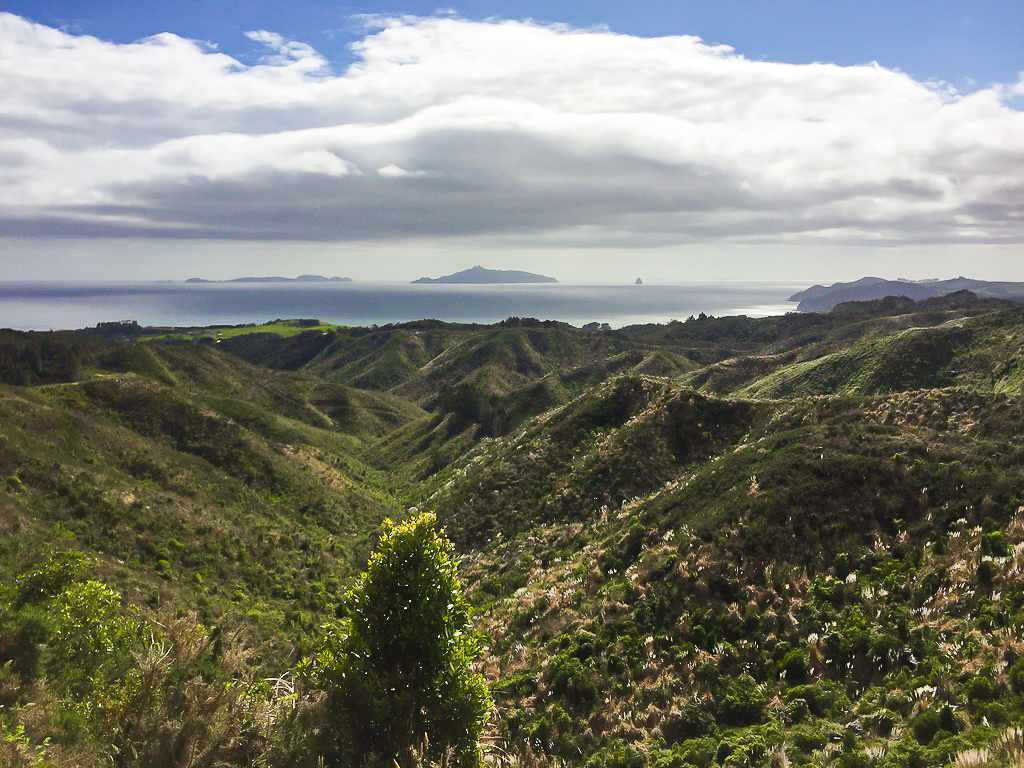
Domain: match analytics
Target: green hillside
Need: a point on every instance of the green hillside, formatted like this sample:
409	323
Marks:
728	541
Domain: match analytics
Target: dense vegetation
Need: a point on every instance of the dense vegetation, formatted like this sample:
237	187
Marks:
727	541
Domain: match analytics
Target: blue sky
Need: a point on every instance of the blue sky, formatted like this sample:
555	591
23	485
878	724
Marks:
963	43
706	140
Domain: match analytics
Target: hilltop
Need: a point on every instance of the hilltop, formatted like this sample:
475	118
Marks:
791	540
479	274
820	298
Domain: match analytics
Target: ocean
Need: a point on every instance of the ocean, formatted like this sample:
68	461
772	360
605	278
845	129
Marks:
59	305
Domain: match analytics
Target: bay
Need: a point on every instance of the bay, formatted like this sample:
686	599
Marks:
60	305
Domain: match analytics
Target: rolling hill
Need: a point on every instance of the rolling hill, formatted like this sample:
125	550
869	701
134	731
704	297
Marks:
791	540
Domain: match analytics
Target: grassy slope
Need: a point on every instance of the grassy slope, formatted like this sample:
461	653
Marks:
841	541
919	349
225	490
811	559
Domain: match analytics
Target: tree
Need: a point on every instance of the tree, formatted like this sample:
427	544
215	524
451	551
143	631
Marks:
397	669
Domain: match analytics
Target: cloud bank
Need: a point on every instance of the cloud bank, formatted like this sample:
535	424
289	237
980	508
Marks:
446	128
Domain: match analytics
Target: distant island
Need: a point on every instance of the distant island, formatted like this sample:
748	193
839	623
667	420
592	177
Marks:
480	275
820	298
299	279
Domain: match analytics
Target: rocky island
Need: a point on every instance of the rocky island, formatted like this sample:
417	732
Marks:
480	275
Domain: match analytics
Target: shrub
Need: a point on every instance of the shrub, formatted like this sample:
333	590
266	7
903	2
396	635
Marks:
824	698
794	664
690	723
93	638
17	749
49	578
980	689
190	697
925	726
1017	676
796	712
986	574
948	720
995	713
743	703
22	635
880	721
396	671
619	755
572	681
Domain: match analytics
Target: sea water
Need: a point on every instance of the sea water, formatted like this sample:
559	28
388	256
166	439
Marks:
56	305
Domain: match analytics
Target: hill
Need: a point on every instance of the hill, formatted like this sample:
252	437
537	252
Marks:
820	298
479	274
789	540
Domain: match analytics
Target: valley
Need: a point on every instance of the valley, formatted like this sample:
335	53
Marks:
789	540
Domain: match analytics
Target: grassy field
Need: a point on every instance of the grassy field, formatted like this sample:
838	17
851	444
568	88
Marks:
283	328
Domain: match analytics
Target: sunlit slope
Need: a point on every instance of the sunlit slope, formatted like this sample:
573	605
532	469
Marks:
813	574
981	352
842	461
490	381
858	351
418	360
194	478
616	441
911	359
272	402
381	359
507	359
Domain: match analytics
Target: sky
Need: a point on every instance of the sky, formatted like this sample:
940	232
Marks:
591	141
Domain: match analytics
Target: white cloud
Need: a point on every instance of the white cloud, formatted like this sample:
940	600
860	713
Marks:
446	128
288	54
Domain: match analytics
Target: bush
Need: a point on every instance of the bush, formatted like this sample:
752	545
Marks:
796	712
93	638
794	664
572	681
948	720
995	713
880	721
692	722
1017	676
22	636
986	574
743	703
824	698
188	697
980	689
925	726
396	671
49	578
619	755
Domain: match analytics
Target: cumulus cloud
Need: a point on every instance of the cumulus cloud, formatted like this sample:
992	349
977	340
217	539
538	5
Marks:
448	127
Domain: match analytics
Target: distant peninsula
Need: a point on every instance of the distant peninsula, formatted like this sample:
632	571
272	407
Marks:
820	298
299	279
480	275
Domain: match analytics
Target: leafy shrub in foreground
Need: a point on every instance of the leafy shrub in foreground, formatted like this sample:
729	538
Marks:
397	670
